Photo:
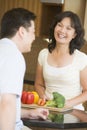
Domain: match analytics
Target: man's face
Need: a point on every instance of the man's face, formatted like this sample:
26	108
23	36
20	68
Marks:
29	37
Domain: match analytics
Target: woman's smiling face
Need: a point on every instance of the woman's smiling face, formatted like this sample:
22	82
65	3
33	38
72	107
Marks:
64	32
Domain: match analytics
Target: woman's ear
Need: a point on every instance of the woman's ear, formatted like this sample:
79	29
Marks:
74	35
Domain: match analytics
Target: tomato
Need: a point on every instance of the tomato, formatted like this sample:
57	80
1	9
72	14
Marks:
36	97
41	102
30	98
24	97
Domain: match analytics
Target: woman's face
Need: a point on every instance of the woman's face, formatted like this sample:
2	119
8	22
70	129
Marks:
63	31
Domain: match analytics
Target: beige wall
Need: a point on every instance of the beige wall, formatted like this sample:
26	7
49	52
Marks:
85	21
77	6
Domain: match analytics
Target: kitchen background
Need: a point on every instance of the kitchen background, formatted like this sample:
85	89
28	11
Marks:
45	11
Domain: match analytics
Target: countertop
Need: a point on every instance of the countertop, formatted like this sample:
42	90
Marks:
60	120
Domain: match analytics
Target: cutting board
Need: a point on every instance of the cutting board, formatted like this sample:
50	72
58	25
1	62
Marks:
30	106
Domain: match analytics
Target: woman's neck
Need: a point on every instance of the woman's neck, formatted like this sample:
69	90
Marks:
61	49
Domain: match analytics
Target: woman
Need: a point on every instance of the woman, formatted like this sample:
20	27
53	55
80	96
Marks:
62	67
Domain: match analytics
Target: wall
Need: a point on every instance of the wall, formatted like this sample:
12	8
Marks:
32	5
31	58
85	21
36	6
77	6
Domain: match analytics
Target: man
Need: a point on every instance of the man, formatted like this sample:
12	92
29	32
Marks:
17	35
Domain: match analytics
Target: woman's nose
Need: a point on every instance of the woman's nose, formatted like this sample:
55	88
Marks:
63	29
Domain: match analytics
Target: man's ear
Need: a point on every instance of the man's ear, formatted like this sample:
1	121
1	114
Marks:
21	31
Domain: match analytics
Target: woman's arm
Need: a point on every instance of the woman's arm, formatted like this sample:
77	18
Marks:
82	97
80	114
39	82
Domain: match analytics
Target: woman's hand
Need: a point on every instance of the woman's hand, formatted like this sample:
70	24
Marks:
45	97
68	104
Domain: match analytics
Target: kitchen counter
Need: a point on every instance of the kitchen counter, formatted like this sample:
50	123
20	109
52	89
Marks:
60	120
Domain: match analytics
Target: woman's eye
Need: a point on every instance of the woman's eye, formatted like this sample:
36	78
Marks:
59	25
69	28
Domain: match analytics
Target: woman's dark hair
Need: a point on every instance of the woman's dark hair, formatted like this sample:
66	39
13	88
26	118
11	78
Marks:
75	43
15	18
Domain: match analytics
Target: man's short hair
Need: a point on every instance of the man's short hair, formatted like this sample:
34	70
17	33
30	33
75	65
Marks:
15	18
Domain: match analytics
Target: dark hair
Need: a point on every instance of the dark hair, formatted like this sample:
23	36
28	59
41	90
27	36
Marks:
15	18
75	43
